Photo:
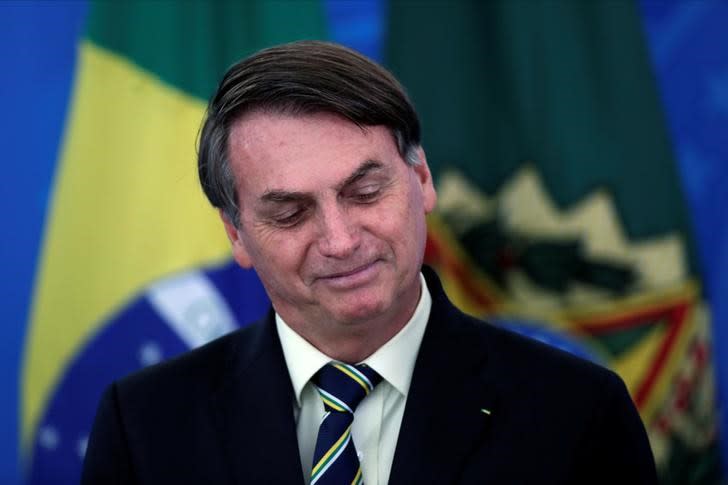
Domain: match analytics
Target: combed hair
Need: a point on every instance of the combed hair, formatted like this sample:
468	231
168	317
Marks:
300	78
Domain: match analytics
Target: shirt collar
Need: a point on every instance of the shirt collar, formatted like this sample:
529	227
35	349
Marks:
394	361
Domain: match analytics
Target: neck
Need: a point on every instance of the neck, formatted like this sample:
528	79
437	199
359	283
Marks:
353	342
353	349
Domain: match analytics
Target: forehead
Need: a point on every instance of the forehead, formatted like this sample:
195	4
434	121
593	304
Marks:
303	153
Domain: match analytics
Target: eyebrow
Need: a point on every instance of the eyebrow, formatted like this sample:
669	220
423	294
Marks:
362	171
283	196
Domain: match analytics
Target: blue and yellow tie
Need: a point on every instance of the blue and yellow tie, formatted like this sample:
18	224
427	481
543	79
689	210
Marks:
341	387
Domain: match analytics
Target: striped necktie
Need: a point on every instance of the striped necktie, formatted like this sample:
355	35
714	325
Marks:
341	387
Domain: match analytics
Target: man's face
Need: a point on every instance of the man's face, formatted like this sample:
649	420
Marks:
331	218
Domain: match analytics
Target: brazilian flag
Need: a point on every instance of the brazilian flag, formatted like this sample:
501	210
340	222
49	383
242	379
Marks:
560	210
126	204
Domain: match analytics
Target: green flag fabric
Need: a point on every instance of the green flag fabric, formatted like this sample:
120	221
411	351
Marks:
560	210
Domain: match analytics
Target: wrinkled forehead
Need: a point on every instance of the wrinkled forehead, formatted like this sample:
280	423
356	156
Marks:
273	151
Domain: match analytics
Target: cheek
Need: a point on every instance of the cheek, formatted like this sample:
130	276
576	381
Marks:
287	254
399	222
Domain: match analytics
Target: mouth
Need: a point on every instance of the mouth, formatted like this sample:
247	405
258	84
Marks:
344	274
351	277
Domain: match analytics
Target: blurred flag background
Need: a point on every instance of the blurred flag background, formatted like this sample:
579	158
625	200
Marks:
579	151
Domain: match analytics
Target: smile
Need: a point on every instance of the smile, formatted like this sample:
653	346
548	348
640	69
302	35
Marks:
352	278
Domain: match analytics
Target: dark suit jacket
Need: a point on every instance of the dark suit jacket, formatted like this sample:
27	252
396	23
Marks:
224	414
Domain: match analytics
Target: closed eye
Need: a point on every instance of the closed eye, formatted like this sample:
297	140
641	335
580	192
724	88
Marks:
289	219
367	194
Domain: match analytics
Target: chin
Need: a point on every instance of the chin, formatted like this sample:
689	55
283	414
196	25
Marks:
361	312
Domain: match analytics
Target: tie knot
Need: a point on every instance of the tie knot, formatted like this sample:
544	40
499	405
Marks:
343	386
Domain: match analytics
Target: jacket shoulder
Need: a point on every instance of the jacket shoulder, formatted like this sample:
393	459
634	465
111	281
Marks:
197	372
527	355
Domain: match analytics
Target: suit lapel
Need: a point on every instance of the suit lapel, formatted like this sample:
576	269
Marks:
448	407
443	421
253	411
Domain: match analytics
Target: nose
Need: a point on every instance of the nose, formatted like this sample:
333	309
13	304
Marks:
339	235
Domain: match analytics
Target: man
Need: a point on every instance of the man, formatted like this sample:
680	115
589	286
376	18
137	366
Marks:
363	370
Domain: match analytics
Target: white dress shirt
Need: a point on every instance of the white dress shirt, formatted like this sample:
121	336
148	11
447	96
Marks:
379	416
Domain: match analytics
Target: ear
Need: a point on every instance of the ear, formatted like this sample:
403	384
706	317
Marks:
424	177
240	254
